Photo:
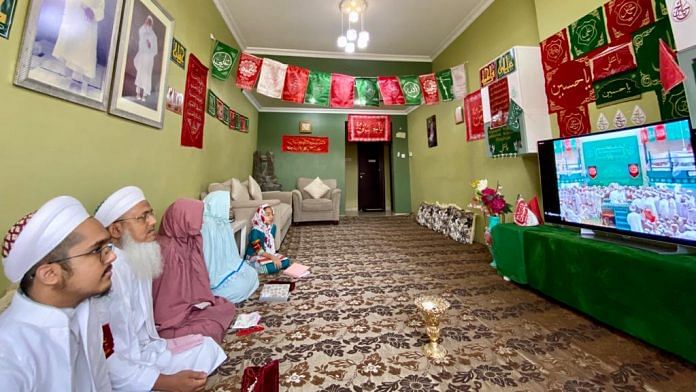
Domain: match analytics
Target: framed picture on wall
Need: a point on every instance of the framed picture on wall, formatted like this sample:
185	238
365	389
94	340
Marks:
68	49
143	58
458	115
305	127
432	131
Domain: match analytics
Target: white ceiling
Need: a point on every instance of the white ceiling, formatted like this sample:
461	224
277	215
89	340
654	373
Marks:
400	30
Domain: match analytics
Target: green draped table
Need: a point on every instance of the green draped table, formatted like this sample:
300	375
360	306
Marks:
645	294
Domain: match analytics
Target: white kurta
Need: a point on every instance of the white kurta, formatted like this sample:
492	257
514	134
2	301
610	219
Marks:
140	355
76	44
145	59
35	349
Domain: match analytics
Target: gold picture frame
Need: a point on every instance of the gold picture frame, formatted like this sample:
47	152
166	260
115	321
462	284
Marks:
305	127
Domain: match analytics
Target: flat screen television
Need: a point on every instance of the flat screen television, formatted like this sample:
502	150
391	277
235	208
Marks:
639	181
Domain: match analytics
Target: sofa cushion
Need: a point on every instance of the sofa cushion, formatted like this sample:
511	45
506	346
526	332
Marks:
254	189
218	186
302	182
239	191
317	205
283	213
254	203
317	188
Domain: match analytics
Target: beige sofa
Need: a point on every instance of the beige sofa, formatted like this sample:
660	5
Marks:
307	209
243	210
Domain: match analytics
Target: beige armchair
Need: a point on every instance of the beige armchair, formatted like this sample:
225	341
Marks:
307	209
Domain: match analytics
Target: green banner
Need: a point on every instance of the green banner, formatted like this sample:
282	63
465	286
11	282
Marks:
646	44
223	60
588	33
674	104
503	141
660	9
178	55
226	114
445	84
410	85
611	158
368	92
619	88
515	116
506	64
7	10
318	88
212	99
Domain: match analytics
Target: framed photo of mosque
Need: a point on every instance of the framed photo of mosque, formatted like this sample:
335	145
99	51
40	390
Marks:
140	75
68	49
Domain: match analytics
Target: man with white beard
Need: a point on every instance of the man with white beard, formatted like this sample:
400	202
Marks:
143	361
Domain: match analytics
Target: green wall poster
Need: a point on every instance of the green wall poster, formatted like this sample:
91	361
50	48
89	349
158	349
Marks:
503	141
7	9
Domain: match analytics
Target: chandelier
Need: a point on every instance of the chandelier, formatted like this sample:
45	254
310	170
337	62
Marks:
353	11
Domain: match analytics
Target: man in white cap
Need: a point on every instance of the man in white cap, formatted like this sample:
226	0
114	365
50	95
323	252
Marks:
142	360
51	337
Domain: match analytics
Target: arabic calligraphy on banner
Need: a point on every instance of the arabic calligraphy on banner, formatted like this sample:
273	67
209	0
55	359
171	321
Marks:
569	86
613	61
499	94
499	68
305	144
488	74
619	88
369	128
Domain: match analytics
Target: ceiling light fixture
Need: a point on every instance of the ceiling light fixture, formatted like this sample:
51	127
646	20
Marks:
353	11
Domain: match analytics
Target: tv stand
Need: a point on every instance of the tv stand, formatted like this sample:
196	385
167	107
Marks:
638	243
644	293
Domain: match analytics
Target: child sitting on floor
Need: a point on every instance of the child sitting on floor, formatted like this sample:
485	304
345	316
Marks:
261	251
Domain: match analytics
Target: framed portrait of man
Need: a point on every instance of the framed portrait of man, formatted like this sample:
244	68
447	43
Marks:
68	49
432	131
140	76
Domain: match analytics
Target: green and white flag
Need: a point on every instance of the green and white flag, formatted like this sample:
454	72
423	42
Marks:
368	92
445	84
223	60
410	86
514	116
318	88
212	99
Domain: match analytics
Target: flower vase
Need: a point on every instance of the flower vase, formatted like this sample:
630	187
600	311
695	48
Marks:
492	221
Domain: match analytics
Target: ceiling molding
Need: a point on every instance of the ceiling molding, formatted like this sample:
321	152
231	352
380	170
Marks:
313	110
336	55
226	14
473	15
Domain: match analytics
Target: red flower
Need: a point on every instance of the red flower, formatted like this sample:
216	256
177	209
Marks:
498	205
488	192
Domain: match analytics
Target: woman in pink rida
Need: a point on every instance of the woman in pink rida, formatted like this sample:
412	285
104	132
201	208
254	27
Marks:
145	59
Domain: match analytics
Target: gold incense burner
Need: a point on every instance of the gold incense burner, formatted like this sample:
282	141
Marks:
431	309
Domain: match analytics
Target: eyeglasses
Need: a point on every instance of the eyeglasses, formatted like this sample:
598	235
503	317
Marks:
101	252
140	218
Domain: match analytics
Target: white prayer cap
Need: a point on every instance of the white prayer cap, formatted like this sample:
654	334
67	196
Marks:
37	234
118	204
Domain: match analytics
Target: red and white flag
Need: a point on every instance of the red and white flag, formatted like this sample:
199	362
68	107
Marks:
459	81
431	94
296	80
342	91
670	73
248	71
524	216
390	89
272	78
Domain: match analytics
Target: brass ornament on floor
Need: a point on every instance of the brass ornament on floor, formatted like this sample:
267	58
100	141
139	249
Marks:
431	309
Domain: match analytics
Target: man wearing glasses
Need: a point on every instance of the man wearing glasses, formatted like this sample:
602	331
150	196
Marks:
143	361
50	336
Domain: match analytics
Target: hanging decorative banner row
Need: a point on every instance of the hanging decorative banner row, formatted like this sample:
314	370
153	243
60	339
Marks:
220	110
292	83
614	54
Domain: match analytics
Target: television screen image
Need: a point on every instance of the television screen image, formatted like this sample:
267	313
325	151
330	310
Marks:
639	181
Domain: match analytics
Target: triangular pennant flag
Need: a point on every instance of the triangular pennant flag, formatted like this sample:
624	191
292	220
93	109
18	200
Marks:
368	92
272	78
534	207
390	89
296	80
682	17
514	116
445	84
342	90
459	80
523	216
318	88
248	71
429	88
222	60
670	73
410	86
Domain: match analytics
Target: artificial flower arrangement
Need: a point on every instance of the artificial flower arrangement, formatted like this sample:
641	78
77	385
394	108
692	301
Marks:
490	201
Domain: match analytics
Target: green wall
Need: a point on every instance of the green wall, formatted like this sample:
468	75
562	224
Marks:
444	173
52	147
339	162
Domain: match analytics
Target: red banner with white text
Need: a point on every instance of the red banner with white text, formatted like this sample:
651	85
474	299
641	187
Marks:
362	128
305	144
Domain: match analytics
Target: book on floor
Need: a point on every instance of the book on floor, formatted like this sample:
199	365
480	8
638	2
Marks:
297	270
275	293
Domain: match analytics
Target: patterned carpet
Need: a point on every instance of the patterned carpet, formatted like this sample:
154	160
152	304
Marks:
352	325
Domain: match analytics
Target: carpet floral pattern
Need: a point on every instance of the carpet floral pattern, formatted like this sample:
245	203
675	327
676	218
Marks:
352	325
